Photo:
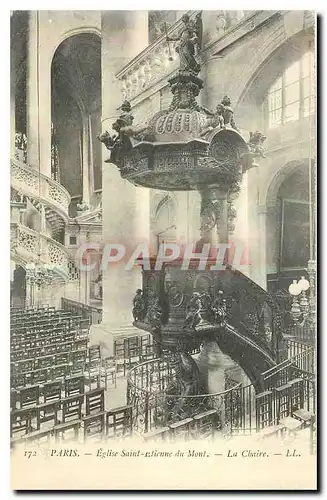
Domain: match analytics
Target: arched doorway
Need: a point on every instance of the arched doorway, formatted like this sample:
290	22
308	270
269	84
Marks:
76	117
165	221
288	227
17	285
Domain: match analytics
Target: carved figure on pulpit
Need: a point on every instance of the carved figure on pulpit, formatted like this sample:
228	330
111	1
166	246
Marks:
189	42
124	123
256	144
82	207
139	306
193	311
206	301
214	120
219	308
154	310
228	113
187	383
108	140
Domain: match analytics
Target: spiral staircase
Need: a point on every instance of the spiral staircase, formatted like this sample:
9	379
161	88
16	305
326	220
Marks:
51	200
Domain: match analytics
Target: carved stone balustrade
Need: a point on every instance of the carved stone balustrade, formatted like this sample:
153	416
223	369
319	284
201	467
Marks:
30	246
159	60
28	181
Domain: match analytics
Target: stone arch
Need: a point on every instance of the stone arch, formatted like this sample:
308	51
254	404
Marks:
72	32
278	178
268	47
273	221
157	205
158	201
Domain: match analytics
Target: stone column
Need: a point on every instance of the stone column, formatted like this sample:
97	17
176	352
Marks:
38	101
212	72
214	216
212	364
12	121
125	208
85	163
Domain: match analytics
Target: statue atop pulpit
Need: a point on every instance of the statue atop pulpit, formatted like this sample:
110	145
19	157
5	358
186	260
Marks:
189	43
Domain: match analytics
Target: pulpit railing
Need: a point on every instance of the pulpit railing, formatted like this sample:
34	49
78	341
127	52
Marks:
238	409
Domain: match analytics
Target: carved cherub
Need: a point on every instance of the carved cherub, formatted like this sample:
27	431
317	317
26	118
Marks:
193	316
228	112
154	310
219	308
139	306
107	139
255	144
214	120
82	207
125	121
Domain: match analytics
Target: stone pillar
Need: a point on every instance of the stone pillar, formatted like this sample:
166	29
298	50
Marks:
85	163
214	215
12	121
91	165
38	101
214	88
125	208
212	364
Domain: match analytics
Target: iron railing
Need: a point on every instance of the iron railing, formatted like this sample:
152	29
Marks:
239	409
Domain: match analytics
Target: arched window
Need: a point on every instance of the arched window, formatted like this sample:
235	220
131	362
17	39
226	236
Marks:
291	97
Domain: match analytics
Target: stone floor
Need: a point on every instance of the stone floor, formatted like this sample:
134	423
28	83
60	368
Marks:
115	397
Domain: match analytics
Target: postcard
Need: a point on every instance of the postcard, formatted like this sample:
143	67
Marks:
163	250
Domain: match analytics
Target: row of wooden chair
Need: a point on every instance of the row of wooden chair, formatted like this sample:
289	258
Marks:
21	323
48	361
105	425
18	312
46	325
35	340
56	411
201	426
52	348
280	402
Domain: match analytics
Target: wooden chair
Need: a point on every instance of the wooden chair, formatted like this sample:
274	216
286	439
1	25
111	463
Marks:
51	391
72	408
264	409
38	437
21	420
60	372
74	386
41	376
94	401
205	424
296	394
108	370
119	422
94	426
44	362
62	358
60	431
77	356
283	401
92	373
157	435
94	354
48	412
181	430
29	396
